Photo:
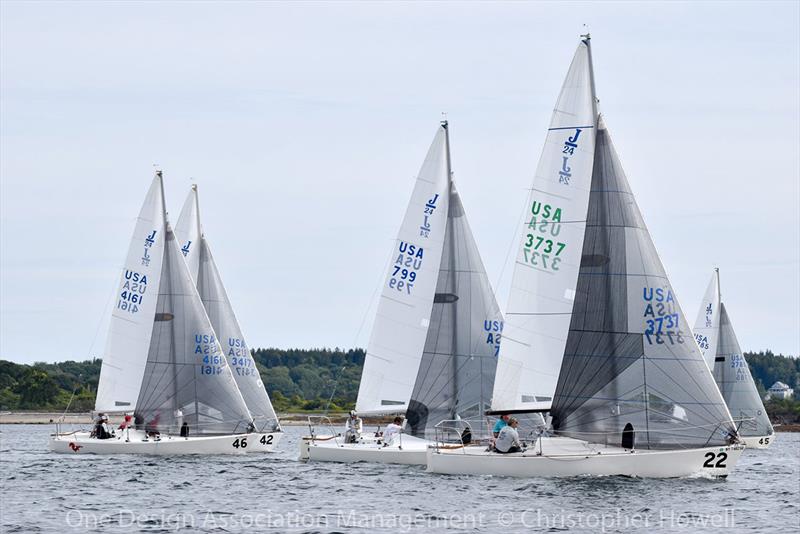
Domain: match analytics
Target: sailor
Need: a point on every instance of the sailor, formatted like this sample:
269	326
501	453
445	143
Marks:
353	428
101	429
126	423
392	430
503	421
184	429
508	439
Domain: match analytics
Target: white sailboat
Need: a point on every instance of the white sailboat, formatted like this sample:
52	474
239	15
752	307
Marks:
203	269
162	360
594	334
432	352
720	347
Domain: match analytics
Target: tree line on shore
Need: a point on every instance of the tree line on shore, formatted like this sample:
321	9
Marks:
300	380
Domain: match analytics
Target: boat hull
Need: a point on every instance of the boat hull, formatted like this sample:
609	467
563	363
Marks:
709	461
412	451
134	443
263	441
758	442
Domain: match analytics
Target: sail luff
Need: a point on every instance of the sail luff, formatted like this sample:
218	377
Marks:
453	284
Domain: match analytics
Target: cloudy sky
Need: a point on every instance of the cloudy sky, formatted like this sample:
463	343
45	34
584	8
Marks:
305	124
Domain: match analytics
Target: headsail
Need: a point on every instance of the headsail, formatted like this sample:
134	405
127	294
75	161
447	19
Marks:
706	327
715	336
630	362
189	232
457	370
187	377
134	307
543	285
197	252
403	316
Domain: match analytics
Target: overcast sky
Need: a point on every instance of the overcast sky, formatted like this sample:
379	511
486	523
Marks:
305	124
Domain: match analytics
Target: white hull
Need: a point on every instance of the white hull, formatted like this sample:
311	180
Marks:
412	451
574	458
82	443
263	441
758	442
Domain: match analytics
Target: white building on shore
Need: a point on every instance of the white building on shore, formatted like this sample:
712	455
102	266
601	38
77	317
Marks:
779	390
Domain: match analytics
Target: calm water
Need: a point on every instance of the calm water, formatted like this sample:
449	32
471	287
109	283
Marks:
44	492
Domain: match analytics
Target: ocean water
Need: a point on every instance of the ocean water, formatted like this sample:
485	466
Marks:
45	492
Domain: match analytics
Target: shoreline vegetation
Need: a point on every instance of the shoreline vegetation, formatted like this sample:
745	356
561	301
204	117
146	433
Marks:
301	382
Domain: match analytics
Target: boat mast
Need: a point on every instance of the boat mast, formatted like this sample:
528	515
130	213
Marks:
169	312
454	275
587	40
200	243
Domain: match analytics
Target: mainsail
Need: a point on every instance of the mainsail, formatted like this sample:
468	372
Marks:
134	308
549	255
717	340
187	378
630	363
457	371
404	311
203	268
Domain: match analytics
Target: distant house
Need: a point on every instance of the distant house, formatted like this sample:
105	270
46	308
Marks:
779	390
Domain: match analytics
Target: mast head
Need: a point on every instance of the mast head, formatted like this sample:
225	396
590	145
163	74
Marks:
586	37
443	122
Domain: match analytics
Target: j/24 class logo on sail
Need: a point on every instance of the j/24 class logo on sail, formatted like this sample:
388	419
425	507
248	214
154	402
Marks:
541	247
661	317
404	271
131	296
565	174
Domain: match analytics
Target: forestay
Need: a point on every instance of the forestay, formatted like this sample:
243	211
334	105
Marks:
715	335
197	252
187	377
403	315
134	307
457	370
630	362
546	269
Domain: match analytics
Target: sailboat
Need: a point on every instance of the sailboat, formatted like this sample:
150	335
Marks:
432	351
204	272
594	334
717	341
162	361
